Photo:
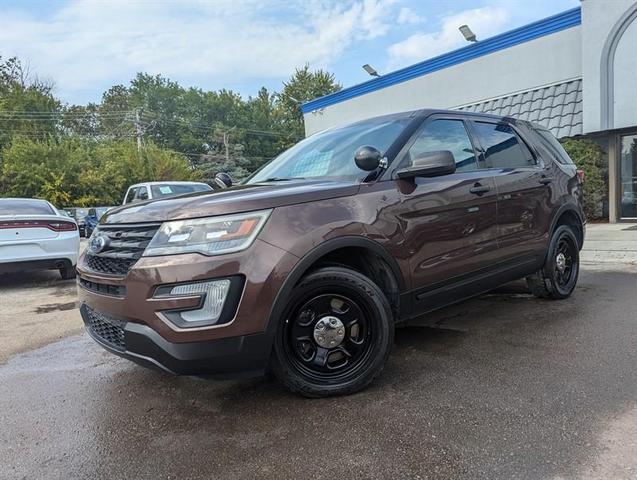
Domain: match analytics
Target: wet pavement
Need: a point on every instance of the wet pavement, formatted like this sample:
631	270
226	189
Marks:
507	386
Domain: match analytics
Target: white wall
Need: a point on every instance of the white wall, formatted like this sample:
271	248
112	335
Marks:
545	60
599	20
625	79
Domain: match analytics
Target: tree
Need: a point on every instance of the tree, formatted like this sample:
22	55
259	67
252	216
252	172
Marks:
27	105
87	155
83	172
589	157
303	86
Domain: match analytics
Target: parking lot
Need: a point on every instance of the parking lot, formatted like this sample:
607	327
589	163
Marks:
506	386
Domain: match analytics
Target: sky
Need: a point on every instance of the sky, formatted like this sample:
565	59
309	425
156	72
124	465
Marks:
86	46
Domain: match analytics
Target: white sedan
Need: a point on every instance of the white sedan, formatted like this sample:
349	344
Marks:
34	235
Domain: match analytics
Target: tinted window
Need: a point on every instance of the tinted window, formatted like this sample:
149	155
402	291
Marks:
170	190
554	146
446	135
331	153
502	148
25	207
131	194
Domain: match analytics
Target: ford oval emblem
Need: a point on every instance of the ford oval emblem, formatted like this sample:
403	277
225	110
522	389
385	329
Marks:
97	244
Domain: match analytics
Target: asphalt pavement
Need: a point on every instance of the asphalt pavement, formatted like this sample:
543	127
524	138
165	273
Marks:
506	386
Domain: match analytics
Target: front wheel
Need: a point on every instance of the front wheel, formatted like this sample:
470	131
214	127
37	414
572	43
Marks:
335	336
558	277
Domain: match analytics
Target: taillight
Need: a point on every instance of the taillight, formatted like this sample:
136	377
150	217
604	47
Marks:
51	225
62	226
581	176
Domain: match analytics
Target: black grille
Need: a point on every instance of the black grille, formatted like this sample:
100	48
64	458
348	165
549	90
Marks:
124	246
103	288
112	266
107	329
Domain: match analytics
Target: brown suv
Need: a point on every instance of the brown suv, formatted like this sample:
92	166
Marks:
306	267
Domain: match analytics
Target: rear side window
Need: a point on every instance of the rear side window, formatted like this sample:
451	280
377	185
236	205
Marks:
502	147
25	207
446	135
554	146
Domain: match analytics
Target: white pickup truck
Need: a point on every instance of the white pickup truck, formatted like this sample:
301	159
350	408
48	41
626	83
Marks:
153	190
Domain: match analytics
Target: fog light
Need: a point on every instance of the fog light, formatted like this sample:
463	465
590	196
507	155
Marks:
214	295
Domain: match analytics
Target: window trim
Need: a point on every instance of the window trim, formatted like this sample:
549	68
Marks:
400	159
552	151
526	148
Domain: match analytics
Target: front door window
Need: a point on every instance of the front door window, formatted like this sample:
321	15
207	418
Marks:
628	172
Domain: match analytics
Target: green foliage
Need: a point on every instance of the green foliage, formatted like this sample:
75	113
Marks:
87	154
589	157
86	173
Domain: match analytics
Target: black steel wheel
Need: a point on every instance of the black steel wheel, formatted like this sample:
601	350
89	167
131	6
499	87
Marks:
335	336
558	278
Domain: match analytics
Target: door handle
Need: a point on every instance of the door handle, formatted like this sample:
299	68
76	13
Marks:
545	180
479	189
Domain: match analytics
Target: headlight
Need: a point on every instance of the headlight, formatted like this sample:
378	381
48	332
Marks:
210	236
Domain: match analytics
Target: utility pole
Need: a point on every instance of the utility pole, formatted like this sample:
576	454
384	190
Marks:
138	130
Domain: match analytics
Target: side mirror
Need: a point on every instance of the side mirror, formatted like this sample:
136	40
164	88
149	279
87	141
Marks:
223	180
367	158
430	164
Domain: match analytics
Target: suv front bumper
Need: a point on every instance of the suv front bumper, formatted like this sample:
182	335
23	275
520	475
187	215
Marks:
241	356
125	316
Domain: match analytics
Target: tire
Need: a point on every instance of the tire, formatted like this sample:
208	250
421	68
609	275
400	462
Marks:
558	277
67	273
336	333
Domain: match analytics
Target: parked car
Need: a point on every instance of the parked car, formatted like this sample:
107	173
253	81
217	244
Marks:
93	217
306	268
154	190
78	215
34	235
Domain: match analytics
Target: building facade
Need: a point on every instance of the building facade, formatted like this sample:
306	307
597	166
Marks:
574	73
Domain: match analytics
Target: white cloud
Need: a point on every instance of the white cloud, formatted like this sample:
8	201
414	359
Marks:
85	42
484	22
406	16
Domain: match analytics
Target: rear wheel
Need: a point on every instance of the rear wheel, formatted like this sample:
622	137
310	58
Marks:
336	334
67	273
558	277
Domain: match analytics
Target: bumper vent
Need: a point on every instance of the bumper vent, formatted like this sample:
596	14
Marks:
103	288
124	246
106	329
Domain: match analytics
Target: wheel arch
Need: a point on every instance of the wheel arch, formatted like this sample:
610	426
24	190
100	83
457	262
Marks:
327	253
569	214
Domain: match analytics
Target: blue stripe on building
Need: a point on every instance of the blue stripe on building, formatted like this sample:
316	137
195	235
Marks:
546	26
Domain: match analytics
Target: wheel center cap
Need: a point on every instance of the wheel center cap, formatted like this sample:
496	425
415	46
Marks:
329	332
560	262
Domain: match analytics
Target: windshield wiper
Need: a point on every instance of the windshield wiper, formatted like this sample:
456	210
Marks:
280	179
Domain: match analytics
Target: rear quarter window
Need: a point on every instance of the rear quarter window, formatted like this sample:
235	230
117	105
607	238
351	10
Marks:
502	148
553	145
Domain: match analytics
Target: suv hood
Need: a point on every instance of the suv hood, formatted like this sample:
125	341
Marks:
241	198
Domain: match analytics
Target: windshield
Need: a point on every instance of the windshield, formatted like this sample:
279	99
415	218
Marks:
25	207
170	190
331	153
